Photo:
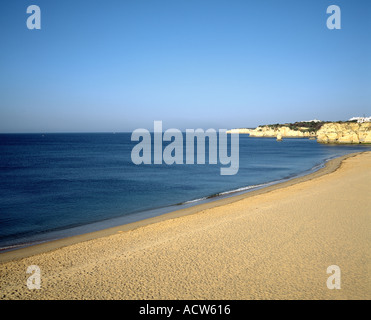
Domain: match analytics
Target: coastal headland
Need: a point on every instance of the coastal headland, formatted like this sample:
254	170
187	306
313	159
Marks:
348	132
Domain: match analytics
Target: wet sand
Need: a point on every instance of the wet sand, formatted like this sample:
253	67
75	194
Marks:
273	243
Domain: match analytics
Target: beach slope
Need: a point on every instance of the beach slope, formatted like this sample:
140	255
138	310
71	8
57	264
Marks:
276	244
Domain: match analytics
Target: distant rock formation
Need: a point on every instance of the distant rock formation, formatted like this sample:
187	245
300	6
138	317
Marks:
273	132
330	132
348	132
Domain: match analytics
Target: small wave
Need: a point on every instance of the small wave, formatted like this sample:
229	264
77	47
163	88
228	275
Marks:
244	188
23	244
195	200
13	246
225	193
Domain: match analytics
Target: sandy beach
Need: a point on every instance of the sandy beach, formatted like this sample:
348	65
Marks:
274	243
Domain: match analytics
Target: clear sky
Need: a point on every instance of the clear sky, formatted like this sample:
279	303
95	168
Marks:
119	65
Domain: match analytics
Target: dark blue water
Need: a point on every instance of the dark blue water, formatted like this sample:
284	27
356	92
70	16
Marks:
54	185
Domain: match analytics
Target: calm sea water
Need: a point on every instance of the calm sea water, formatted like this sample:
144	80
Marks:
56	185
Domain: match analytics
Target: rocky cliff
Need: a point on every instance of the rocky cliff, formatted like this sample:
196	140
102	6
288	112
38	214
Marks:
330	132
270	131
347	132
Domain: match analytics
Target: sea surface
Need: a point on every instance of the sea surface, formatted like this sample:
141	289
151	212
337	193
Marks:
58	185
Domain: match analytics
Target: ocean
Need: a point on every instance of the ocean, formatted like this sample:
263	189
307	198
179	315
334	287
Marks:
58	185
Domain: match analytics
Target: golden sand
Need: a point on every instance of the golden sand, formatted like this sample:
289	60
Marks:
274	243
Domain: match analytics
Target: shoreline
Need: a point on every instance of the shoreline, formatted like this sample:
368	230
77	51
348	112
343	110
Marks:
51	245
275	245
109	223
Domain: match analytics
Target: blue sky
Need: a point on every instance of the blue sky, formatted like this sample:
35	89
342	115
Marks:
119	65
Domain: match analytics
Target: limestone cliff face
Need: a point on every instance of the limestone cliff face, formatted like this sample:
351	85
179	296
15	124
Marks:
267	131
332	132
345	133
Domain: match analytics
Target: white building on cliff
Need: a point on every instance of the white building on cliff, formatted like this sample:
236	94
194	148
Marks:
361	119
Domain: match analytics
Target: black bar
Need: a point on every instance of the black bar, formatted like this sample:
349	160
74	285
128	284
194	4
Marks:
181	309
